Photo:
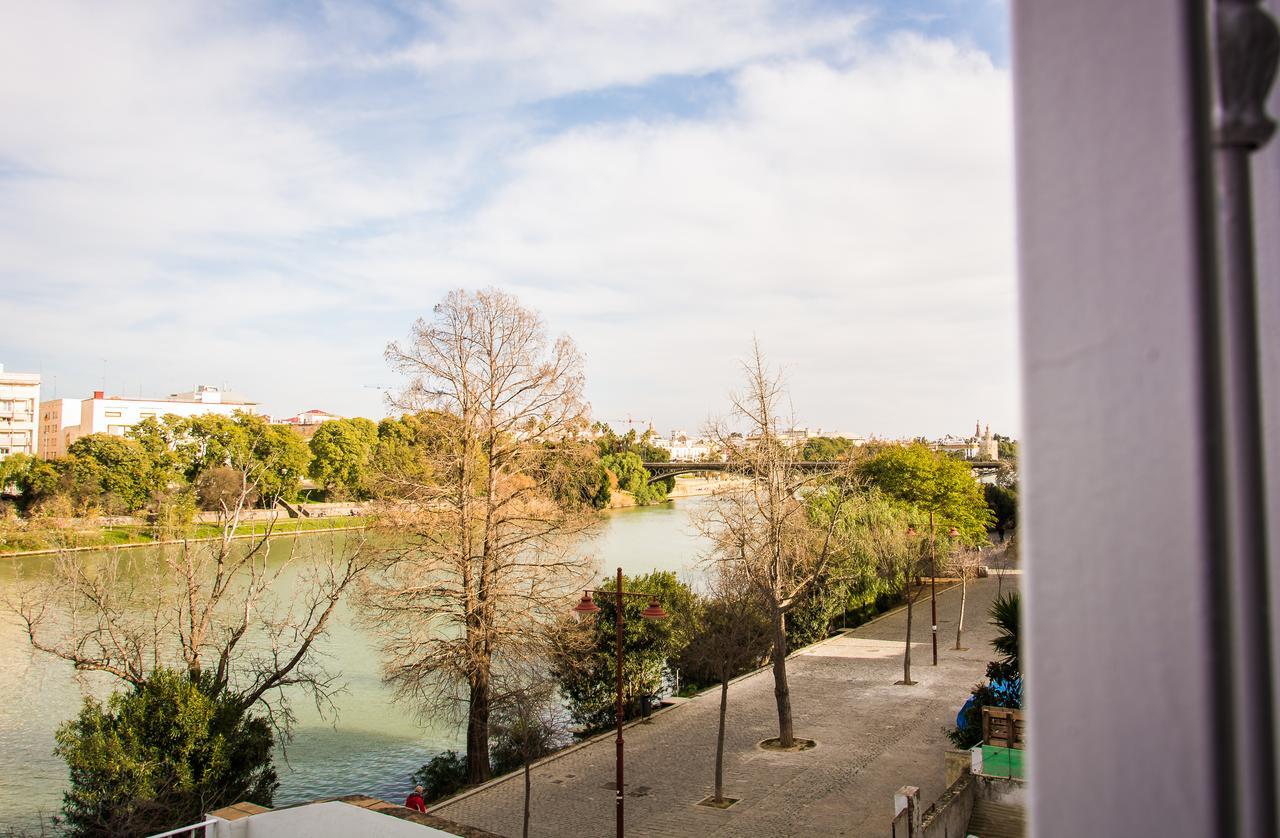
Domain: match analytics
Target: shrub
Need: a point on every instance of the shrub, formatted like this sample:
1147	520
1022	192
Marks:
161	755
442	776
583	664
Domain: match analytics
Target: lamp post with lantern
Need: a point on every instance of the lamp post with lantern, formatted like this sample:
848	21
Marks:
652	612
933	579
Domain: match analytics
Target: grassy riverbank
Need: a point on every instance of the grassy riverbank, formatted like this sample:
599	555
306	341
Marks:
27	536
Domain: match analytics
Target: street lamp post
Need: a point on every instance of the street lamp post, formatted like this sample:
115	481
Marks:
933	585
652	612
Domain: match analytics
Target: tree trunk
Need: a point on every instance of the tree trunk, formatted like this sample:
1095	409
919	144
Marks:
906	652
525	833
964	592
781	692
724	706
478	730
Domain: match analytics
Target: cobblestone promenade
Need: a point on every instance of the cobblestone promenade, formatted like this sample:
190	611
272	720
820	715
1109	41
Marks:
873	737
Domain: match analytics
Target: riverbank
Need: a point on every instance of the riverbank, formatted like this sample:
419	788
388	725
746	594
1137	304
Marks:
19	542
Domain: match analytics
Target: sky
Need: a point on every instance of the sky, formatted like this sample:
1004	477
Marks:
261	196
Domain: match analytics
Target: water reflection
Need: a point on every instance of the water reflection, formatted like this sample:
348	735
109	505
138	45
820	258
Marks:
371	745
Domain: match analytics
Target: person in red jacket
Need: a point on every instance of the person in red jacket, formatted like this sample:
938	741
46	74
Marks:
415	801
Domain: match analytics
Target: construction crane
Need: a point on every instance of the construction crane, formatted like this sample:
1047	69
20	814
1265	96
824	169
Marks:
629	421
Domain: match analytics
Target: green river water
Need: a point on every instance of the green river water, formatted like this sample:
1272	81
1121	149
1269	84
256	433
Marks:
371	746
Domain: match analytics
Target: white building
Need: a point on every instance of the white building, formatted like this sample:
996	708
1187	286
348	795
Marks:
19	403
310	417
117	414
981	446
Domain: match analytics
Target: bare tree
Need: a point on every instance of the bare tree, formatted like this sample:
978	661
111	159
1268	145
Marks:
965	562
210	608
528	723
782	529
490	553
884	534
734	635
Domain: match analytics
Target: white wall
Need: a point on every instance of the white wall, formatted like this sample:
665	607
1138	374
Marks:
115	416
19	413
325	820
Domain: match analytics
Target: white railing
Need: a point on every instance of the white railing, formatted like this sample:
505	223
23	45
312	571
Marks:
203	826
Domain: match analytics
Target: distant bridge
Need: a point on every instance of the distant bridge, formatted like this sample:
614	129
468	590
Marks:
674	468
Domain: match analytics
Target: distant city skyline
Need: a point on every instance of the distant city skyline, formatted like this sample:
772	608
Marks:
261	198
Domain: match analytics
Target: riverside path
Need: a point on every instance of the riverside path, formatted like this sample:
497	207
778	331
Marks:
873	737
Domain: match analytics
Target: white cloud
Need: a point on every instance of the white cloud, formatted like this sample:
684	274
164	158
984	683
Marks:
513	52
857	218
190	202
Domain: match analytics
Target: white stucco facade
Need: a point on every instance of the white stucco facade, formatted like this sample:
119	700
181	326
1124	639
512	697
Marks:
63	421
19	413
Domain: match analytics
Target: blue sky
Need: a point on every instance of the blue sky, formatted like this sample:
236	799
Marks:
263	196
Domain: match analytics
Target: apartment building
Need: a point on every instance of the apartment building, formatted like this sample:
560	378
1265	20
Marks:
57	418
19	402
63	421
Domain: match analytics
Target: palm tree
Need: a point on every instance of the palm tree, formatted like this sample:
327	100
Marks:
1005	617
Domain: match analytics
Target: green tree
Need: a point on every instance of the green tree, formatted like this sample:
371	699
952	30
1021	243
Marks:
341	454
123	469
628	469
941	487
274	457
408	451
34	479
79	483
826	449
160	755
609	442
584	663
881	528
277	457
160	439
1003	503
210	440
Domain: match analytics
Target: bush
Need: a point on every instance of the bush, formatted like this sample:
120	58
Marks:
444	775
161	755
1003	688
583	665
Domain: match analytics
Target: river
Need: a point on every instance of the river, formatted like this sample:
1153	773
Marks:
370	746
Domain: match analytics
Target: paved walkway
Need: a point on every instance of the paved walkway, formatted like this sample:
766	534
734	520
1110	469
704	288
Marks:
873	737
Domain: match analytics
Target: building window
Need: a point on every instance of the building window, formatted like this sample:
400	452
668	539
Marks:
113	414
